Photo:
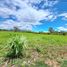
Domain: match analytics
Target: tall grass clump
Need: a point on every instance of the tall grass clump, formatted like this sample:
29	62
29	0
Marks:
16	46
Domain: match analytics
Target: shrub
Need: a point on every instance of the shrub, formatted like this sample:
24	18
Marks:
16	47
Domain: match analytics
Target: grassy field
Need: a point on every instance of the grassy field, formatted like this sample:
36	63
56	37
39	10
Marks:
41	50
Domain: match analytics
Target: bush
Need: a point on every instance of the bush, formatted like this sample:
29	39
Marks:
16	47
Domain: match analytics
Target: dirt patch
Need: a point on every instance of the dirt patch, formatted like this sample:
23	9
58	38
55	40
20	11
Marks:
52	63
33	58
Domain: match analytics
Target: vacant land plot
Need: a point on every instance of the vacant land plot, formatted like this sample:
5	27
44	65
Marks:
41	50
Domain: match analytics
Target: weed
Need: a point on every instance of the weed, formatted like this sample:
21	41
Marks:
16	47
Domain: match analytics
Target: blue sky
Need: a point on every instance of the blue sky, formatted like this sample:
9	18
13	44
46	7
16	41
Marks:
35	15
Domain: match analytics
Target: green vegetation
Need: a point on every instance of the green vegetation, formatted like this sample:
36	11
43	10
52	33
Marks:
16	44
64	64
40	64
38	49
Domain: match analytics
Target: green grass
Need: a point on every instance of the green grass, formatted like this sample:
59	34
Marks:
40	64
64	64
37	38
39	47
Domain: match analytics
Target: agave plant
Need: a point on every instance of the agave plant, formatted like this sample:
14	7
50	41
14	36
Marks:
16	47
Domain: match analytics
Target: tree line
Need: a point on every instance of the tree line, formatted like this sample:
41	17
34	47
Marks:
50	31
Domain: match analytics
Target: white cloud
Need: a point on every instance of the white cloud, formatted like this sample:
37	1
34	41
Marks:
64	15
26	15
62	29
50	3
9	24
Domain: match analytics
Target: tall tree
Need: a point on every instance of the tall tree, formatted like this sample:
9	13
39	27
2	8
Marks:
51	30
16	28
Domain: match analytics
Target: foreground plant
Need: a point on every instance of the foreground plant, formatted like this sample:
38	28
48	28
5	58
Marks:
16	47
